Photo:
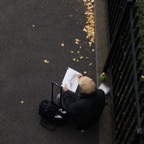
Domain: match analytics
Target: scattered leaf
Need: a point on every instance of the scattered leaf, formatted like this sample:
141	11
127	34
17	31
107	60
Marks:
90	44
85	72
70	15
78	52
62	44
85	30
77	41
90	64
46	61
74	59
81	57
72	51
22	102
142	76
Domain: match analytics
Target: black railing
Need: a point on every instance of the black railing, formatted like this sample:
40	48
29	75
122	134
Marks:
125	64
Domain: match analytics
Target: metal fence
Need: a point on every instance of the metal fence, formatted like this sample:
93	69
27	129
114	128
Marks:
125	65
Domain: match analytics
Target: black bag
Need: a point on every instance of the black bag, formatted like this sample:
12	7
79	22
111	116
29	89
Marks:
52	114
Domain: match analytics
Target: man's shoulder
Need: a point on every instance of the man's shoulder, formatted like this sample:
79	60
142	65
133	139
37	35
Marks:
100	93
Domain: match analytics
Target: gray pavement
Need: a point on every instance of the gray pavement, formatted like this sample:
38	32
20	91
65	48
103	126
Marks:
30	32
102	45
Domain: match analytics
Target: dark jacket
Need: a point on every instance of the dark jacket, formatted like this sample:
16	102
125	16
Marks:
84	109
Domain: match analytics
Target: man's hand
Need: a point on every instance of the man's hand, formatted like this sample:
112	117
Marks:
64	87
79	75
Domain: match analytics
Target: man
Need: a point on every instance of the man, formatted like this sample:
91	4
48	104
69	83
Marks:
85	107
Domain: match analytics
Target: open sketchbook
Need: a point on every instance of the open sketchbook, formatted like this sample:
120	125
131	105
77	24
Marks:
105	88
71	79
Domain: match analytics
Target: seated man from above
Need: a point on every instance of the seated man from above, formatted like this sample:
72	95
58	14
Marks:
85	107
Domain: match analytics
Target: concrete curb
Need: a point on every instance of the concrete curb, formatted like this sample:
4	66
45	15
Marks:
101	35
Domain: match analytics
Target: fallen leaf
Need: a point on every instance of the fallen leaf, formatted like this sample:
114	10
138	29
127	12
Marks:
46	61
70	15
22	102
90	64
89	4
92	39
77	41
78	52
85	30
81	57
85	1
62	44
90	44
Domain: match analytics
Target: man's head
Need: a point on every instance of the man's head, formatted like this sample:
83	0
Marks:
86	84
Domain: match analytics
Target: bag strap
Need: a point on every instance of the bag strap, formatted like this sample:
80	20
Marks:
52	92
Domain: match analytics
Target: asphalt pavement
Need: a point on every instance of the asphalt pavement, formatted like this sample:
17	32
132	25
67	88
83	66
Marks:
37	45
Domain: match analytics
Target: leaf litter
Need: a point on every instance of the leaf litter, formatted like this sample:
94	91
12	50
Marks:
89	27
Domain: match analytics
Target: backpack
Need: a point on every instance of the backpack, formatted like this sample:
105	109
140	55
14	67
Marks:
51	114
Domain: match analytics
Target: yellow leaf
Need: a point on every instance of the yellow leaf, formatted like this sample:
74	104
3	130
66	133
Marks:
85	30
90	64
46	61
89	4
78	52
90	44
77	41
62	44
92	39
22	102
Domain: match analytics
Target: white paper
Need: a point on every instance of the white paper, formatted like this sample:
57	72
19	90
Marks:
71	79
105	88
